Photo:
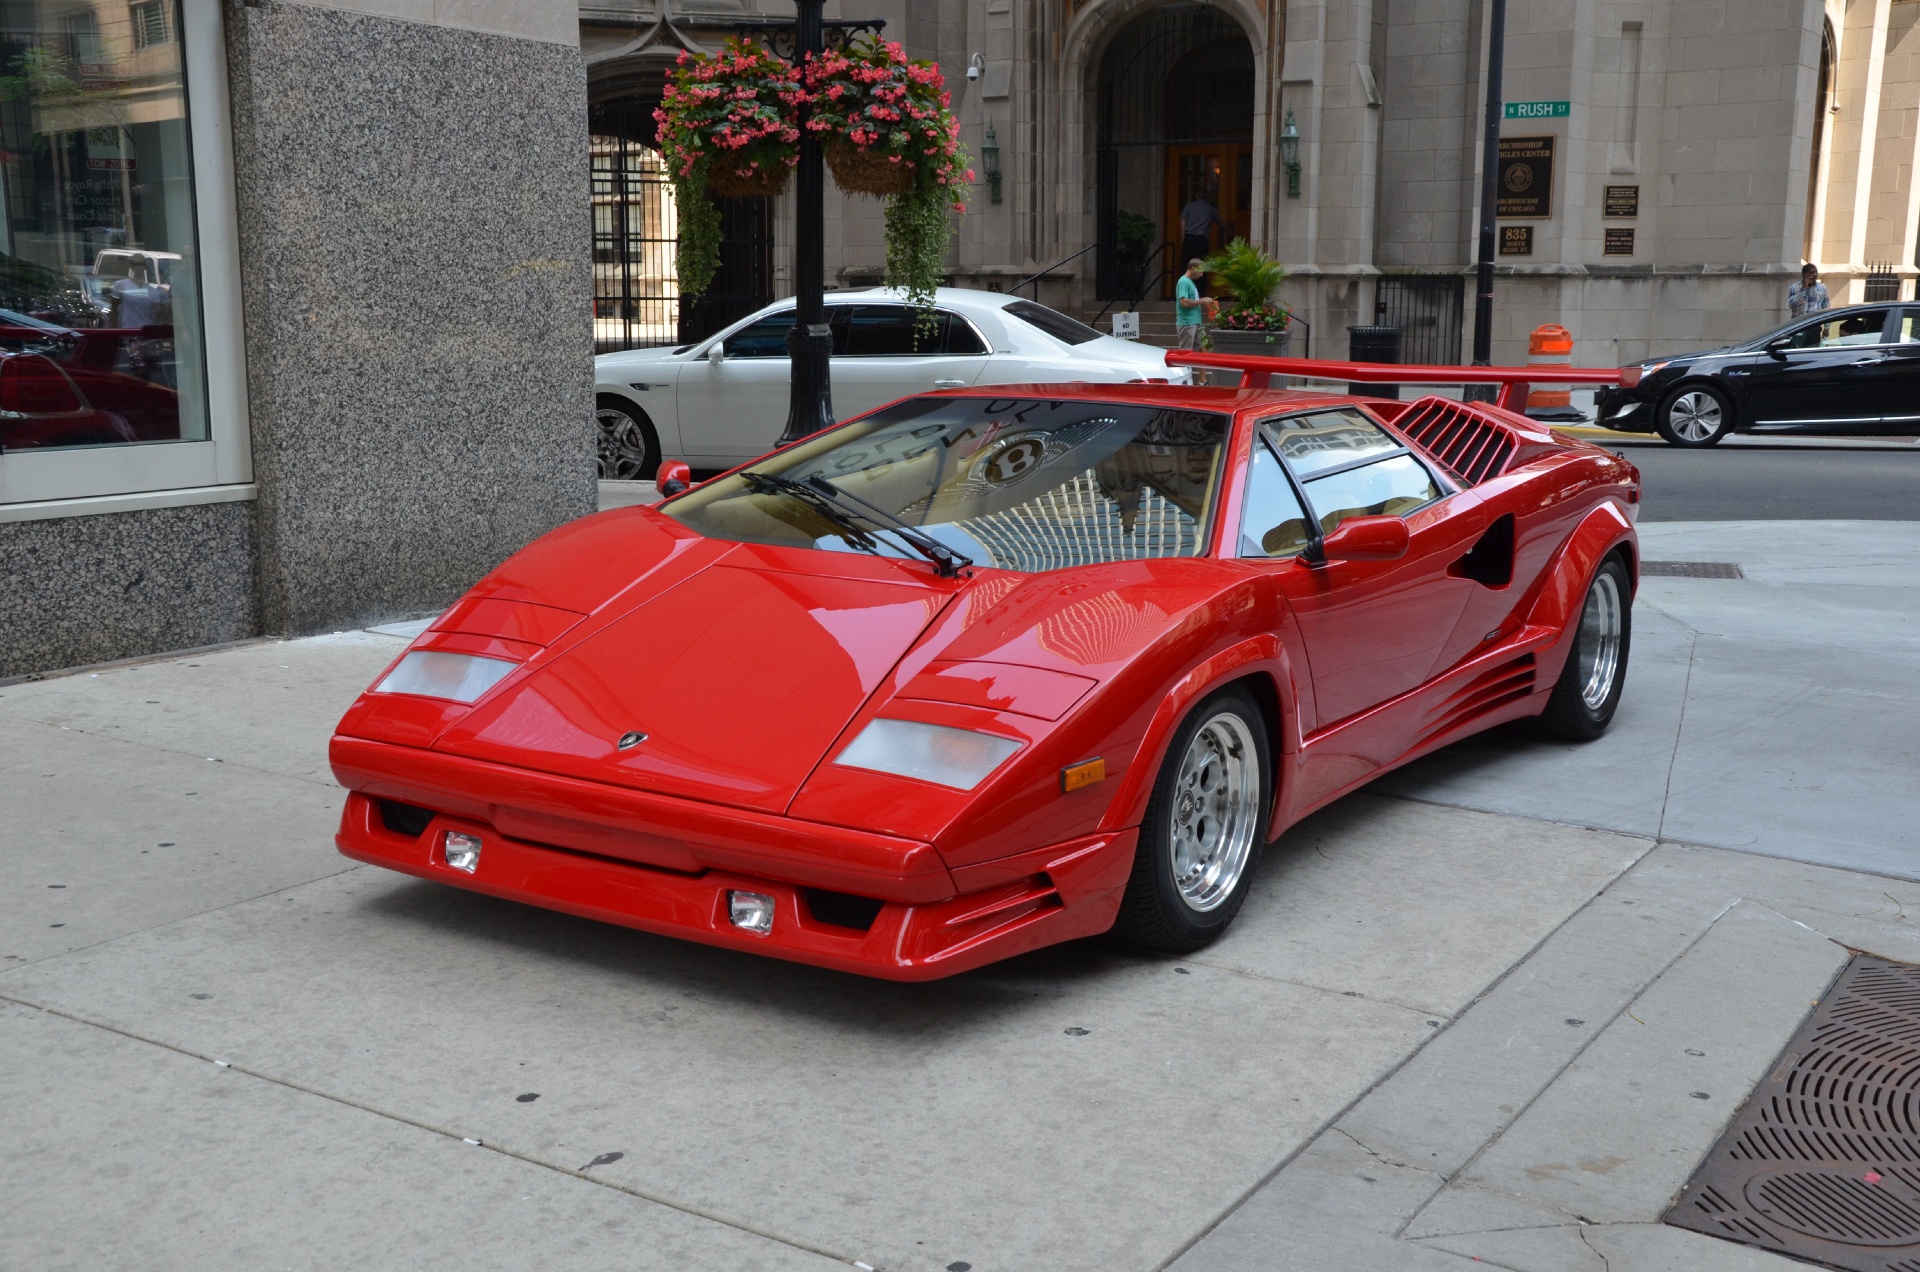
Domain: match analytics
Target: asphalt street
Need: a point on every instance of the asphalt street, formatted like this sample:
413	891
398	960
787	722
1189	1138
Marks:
1757	481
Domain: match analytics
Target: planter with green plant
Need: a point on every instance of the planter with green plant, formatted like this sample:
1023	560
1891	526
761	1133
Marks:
1252	322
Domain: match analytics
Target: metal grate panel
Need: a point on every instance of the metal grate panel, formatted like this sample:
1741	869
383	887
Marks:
1470	446
1823	1161
1690	570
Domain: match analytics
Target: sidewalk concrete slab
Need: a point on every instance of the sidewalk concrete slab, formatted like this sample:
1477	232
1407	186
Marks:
190	1165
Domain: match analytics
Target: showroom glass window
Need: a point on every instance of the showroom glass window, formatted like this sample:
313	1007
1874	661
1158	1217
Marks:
100	299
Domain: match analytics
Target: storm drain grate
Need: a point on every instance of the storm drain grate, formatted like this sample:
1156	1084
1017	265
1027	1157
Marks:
1823	1162
1690	570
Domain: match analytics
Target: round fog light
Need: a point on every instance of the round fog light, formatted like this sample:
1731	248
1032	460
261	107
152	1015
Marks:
461	851
751	910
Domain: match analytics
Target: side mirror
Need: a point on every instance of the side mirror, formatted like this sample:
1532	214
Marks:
718	353
1778	346
1367	539
673	477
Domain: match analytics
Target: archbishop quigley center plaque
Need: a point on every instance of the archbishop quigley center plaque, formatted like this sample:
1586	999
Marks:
1526	178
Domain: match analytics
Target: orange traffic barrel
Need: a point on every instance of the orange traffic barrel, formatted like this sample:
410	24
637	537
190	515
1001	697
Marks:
1550	345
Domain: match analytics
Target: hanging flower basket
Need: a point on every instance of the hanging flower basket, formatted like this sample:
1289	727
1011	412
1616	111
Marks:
864	171
727	127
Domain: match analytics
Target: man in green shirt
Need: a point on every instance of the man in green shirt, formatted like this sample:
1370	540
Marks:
1189	308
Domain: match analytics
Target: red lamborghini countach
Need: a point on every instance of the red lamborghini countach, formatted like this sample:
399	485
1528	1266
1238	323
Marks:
976	673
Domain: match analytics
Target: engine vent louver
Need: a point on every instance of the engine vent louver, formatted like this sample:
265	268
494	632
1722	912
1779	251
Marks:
1471	446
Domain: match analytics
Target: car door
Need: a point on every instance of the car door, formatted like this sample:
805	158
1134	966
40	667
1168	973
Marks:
734	407
1819	376
1373	629
880	353
1897	380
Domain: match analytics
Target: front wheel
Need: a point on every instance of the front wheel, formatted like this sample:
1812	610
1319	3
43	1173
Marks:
628	448
1695	415
1203	830
1588	691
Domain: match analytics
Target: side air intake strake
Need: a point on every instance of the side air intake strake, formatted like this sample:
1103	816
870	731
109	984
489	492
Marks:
1471	446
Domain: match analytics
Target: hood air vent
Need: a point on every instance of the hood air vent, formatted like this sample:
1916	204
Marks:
1471	446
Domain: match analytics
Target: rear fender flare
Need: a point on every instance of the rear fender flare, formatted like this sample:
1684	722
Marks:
1262	655
1557	607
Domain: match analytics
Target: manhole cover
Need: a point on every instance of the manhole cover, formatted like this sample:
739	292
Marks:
1823	1161
1690	570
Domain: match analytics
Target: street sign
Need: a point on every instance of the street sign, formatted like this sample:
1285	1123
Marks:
1539	110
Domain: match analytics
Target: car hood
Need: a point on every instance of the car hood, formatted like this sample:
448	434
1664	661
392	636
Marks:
741	676
612	362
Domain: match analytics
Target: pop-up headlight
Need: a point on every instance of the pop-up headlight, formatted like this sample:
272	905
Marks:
459	677
959	758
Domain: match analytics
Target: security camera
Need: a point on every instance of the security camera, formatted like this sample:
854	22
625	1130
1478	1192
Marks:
976	66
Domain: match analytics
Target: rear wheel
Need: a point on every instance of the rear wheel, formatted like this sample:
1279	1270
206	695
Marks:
1588	691
628	447
1694	415
1203	830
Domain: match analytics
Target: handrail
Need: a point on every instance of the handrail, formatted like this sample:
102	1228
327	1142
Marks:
1133	302
1034	278
1514	382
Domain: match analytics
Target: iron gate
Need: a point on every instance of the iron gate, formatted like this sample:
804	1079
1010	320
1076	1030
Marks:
1882	282
636	286
1428	312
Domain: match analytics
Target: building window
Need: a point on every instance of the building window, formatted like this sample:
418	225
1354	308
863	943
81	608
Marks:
149	24
104	273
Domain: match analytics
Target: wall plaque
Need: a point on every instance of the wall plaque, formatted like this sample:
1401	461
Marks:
1621	201
1516	240
1526	178
1619	241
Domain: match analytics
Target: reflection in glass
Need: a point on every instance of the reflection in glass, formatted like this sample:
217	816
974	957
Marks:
100	337
1273	524
1392	487
1327	439
1014	483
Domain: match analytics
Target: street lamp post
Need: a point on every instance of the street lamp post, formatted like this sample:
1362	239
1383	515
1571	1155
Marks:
1489	186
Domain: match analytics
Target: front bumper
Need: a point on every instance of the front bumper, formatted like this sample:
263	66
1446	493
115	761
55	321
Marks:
667	865
1623	410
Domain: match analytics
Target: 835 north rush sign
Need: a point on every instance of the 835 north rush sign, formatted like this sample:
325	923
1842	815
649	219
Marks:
1526	178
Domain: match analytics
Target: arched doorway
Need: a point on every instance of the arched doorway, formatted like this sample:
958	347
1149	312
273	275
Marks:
1175	111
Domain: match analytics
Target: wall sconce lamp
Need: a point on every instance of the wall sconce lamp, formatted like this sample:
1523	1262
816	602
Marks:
990	164
1290	154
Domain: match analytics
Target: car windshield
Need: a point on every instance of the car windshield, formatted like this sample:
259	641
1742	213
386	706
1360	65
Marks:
1012	483
1052	321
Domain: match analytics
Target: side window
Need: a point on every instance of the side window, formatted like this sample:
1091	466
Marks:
883	331
766	338
1272	523
957	335
1327	439
1908	330
1839	333
1390	487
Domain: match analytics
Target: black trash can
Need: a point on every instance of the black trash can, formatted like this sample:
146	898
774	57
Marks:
1373	344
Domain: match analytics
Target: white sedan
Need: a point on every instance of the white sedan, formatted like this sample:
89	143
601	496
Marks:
723	400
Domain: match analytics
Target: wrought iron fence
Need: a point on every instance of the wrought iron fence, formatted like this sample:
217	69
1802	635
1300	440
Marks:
1427	310
1882	282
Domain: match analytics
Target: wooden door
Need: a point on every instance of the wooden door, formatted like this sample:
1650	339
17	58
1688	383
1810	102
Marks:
1221	171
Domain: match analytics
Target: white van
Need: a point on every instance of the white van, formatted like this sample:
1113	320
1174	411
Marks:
117	262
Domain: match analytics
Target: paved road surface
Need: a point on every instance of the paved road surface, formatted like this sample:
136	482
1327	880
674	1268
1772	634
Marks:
1759	482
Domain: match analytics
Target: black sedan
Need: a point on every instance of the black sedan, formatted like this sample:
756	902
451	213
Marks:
1853	370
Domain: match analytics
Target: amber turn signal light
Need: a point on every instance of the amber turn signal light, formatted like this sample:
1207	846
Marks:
1085	773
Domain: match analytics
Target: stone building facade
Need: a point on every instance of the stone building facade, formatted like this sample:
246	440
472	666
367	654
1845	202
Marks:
293	335
1682	157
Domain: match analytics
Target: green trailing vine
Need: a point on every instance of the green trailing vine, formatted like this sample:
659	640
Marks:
699	244
920	225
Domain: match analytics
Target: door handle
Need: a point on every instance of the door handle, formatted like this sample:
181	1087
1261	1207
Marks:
1868	362
949	384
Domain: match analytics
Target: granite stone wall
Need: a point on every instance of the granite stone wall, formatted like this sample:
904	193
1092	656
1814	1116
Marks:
415	252
80	590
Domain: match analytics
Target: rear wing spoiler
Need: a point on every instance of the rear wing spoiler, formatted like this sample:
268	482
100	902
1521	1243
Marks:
1514	382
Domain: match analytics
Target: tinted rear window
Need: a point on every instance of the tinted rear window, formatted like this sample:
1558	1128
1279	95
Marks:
1052	321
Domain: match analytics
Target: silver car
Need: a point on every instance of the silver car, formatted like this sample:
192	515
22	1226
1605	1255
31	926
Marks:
723	400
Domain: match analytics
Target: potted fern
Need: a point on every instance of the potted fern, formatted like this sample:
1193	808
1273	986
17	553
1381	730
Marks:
1252	323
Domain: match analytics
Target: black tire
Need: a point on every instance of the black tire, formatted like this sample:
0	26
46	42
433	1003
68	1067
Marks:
1576	710
1694	415
1155	913
627	446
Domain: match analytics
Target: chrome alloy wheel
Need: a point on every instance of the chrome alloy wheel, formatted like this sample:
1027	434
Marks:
1695	416
1214	811
623	447
1600	642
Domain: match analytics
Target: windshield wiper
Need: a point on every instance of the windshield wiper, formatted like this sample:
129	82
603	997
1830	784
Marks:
946	562
850	528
